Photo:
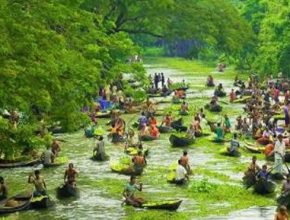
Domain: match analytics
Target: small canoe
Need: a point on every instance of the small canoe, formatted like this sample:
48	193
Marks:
225	152
213	108
16	203
220	93
19	164
210	84
41	202
277	176
58	162
65	191
284	199
254	149
124	169
164	129
180	141
170	205
263	186
106	114
117	138
183	113
147	138
100	158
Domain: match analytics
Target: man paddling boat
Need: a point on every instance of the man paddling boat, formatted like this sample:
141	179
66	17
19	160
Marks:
129	192
70	175
39	183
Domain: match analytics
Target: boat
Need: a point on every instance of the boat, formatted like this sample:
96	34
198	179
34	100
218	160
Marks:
117	138
99	158
16	203
180	141
284	199
253	148
277	176
41	202
164	129
178	125
286	157
125	169
105	114
183	113
132	151
242	100
66	190
225	152
263	186
213	108
19	164
170	205
219	93
57	162
147	138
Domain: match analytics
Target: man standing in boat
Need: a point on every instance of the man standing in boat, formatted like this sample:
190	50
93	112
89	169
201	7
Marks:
39	183
3	189
70	175
279	153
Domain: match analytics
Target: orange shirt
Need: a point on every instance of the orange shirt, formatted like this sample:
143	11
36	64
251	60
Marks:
268	149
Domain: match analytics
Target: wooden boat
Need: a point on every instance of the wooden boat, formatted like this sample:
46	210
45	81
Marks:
65	191
125	169
19	164
16	203
210	84
58	162
164	129
180	141
277	176
147	138
213	108
170	205
263	186
106	114
117	138
225	152
253	148
183	113
178	125
284	199
99	158
41	202
220	93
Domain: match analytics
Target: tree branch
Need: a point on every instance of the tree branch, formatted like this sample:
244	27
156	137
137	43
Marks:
139	32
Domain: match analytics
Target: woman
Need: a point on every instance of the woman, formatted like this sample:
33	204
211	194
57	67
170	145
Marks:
265	139
154	132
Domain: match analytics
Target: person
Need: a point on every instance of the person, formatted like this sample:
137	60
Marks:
286	185
196	127
162	79
129	192
99	150
190	133
181	174
167	120
232	95
234	145
3	189
132	140
227	124
55	147
219	133
39	183
184	108
156	81
287	114
185	161
265	139
48	156
253	168
152	120
263	173
70	175
279	152
154	132
145	131
281	214
139	162
209	81
142	120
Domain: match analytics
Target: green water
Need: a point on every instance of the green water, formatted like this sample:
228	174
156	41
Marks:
100	189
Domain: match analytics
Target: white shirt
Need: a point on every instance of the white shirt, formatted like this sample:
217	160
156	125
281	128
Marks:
47	157
180	172
279	149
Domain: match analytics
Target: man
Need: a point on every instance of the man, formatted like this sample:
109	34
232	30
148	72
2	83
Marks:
48	156
253	167
55	147
162	79
70	175
263	173
129	192
219	133
139	162
156	80
99	150
234	144
181	174
185	161
3	189
39	183
279	152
